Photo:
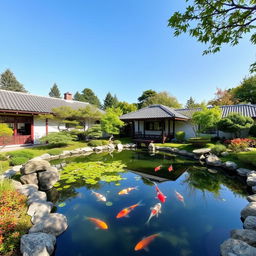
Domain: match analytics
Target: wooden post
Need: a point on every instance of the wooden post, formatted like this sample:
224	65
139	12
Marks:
173	127
32	130
46	126
169	128
144	128
138	126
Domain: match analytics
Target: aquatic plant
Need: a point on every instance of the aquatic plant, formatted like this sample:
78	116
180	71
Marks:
90	173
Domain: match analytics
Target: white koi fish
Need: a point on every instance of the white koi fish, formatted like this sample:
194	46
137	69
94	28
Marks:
179	197
99	196
154	211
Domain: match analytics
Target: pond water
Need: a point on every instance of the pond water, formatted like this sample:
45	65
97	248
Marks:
212	204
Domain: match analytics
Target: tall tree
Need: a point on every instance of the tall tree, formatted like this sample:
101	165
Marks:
145	95
55	92
192	104
9	82
89	96
127	107
163	98
110	101
223	97
246	91
217	22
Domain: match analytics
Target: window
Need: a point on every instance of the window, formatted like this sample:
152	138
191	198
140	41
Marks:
23	129
154	126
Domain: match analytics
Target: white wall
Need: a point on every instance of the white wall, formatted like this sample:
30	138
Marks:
185	126
39	129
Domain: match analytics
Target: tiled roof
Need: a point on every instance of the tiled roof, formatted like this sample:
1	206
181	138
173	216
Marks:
153	111
243	109
17	101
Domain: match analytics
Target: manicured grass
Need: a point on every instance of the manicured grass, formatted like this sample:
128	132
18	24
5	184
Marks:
37	151
14	222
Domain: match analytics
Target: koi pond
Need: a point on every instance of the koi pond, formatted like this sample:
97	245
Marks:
109	197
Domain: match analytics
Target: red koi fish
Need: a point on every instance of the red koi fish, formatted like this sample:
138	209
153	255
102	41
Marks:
159	194
170	168
154	211
127	210
127	190
99	223
179	197
158	168
143	244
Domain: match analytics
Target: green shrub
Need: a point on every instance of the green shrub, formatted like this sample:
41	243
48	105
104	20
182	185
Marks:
218	149
180	136
3	157
95	131
95	143
105	142
4	165
247	157
17	160
252	131
117	142
199	141
54	151
58	139
22	153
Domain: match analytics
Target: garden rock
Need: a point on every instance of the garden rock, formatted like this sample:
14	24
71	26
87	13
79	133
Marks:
87	149
111	147
29	179
224	153
201	151
48	178
45	156
53	223
246	235
183	152
152	147
37	244
251	179
213	160
250	222
16	184
233	247
251	198
119	147
34	166
39	208
38	196
243	171
249	210
254	189
229	165
28	189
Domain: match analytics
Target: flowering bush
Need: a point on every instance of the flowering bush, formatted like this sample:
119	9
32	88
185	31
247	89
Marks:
239	144
13	220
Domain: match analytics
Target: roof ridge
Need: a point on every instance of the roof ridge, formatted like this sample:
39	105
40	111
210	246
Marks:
48	97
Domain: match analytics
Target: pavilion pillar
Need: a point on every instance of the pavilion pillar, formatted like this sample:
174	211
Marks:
173	127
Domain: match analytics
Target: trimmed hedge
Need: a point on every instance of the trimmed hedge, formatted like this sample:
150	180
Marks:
199	141
180	136
21	153
17	160
218	149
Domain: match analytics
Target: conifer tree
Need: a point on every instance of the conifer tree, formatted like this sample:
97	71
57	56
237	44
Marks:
55	92
110	101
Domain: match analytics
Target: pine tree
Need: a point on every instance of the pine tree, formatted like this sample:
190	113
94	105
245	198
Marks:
110	101
9	82
190	103
89	96
55	92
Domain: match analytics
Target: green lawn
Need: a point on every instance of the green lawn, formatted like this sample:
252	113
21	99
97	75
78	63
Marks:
37	151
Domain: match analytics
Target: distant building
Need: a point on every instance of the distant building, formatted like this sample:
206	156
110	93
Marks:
20	111
160	123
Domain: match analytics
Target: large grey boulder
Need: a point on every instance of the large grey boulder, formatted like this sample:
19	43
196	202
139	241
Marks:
251	179
54	223
213	160
39	208
38	196
246	235
229	165
45	156
250	222
254	189
27	189
119	147
16	184
35	166
233	247
29	179
48	178
251	198
198	153
249	210
243	171
37	244
87	149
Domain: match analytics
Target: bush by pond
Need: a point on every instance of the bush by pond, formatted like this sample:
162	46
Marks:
96	143
14	222
199	141
180	136
218	149
115	142
58	139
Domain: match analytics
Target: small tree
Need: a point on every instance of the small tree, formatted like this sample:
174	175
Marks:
94	132
5	133
205	119
110	122
55	92
126	107
110	101
235	123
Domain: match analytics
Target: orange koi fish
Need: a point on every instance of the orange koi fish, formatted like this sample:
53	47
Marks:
99	223
154	211
159	194
158	168
143	244
99	196
127	210
170	168
179	197
127	190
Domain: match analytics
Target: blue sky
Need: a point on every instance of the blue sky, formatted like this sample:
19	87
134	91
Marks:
124	47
